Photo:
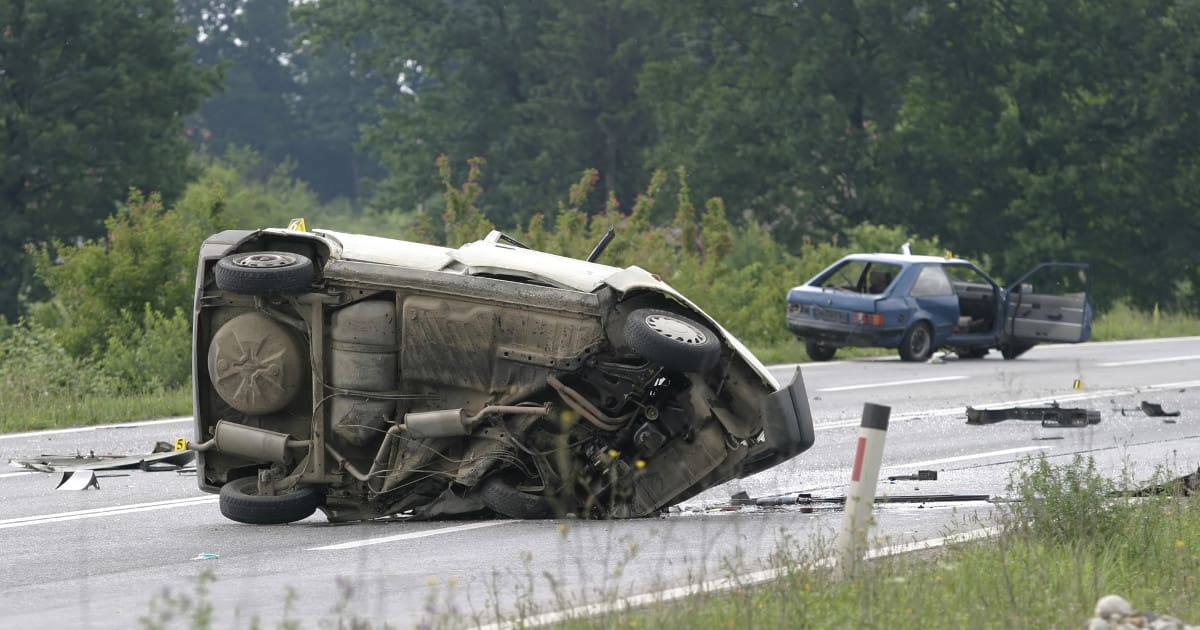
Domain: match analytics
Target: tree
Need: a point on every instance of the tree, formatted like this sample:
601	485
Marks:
92	101
542	91
284	99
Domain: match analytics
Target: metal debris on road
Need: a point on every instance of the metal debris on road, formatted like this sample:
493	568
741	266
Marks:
206	556
1152	410
1051	416
78	480
921	475
150	462
1155	410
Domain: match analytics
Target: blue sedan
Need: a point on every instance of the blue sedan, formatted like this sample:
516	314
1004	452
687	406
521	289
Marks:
918	304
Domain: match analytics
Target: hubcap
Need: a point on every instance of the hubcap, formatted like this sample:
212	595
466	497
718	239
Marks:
920	340
264	260
675	329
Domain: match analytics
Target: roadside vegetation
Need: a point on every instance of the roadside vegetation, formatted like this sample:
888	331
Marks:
1064	542
1065	537
111	342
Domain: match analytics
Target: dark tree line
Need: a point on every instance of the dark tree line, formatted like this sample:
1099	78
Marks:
1015	130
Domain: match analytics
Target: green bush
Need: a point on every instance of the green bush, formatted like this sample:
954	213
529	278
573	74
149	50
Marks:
36	366
149	353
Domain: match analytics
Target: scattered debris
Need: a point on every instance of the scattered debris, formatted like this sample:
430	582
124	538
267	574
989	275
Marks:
1113	612
741	498
921	475
1155	410
158	460
1049	437
78	480
1051	416
1186	485
206	556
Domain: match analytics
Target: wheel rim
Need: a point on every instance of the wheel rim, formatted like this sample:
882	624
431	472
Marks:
919	344
264	260
672	328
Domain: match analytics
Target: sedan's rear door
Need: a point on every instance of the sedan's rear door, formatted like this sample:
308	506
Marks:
1050	303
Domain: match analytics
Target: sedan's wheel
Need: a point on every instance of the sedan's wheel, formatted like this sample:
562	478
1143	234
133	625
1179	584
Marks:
501	496
972	353
1015	349
241	502
264	273
819	351
671	340
917	344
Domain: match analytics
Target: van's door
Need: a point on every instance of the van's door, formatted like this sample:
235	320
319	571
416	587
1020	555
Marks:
1050	303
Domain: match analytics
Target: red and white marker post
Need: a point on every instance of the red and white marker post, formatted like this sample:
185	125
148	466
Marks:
860	498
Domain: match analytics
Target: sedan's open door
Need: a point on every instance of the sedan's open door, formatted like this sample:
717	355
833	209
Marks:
1050	303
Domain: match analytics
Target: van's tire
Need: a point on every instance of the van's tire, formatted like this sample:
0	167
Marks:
501	496
818	351
264	273
917	343
240	501
673	341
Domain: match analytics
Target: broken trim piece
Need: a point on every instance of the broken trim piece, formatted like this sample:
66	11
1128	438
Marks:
1051	416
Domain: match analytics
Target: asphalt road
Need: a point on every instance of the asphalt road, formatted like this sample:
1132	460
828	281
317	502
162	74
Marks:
97	558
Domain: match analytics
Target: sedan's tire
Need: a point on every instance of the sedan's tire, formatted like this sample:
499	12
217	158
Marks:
671	340
502	497
818	351
1015	349
241	502
264	273
972	353
917	343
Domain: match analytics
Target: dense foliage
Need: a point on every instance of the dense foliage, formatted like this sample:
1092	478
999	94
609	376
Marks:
736	146
1017	131
93	97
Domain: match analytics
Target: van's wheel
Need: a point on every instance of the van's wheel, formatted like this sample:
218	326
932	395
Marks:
241	502
672	341
917	343
1015	349
501	496
818	351
264	273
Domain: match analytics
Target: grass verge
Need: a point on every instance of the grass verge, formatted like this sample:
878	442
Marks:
29	411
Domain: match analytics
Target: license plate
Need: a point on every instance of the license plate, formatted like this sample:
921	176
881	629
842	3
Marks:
829	315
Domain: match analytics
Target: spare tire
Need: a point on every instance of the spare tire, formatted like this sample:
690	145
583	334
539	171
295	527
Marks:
264	273
241	502
673	341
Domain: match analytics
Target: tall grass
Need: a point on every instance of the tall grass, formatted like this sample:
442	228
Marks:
1066	540
1122	321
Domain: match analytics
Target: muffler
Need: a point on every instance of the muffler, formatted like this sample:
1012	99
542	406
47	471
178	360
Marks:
253	443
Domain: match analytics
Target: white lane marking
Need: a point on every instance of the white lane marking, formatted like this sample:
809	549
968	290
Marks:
958	411
42	519
723	584
962	458
97	427
915	381
1190	357
409	536
18	474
